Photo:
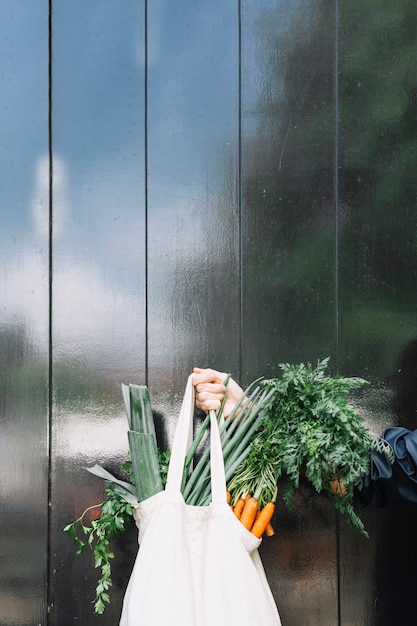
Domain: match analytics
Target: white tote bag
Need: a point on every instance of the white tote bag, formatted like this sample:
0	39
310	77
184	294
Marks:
196	565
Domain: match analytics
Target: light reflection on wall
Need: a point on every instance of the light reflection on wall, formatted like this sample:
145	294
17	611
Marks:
93	436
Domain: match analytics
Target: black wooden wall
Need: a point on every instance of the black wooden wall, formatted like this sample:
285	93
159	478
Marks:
226	183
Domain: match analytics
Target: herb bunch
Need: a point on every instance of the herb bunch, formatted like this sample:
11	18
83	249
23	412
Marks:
115	517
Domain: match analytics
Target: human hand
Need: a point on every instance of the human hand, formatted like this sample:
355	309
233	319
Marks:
210	390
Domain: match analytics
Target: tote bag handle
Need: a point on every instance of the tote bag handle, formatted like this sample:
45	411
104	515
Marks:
182	441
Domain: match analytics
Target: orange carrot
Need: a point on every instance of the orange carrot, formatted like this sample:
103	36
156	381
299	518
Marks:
269	531
238	508
249	513
264	518
228	496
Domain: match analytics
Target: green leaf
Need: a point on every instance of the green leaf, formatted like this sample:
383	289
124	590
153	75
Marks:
309	424
145	463
122	485
116	515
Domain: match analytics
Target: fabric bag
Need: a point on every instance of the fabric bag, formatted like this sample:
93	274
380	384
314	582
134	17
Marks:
196	565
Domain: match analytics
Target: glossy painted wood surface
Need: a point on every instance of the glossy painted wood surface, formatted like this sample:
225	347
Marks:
98	304
377	278
288	242
24	218
192	203
232	185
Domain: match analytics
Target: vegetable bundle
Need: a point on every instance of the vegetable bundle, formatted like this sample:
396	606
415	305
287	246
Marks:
300	423
310	429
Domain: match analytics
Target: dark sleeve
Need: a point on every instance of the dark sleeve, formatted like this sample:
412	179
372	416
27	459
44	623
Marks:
397	481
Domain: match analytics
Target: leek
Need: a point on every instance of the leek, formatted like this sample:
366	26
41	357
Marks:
142	441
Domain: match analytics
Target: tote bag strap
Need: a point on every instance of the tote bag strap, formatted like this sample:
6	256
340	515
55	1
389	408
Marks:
218	477
182	441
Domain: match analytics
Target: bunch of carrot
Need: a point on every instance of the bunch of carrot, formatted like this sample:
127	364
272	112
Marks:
256	520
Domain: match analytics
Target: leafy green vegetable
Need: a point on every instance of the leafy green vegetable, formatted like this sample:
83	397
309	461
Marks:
142	441
147	469
115	517
256	475
309	427
124	489
236	433
164	457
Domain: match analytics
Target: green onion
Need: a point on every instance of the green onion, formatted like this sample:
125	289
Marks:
236	434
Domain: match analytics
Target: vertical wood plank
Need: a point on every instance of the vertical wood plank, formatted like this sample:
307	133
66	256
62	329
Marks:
378	79
193	219
288	148
24	313
98	276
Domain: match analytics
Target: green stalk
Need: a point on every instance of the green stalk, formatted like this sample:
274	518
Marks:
201	469
145	464
230	451
196	476
240	421
193	449
140	415
142	441
126	490
245	423
235	446
239	454
200	434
